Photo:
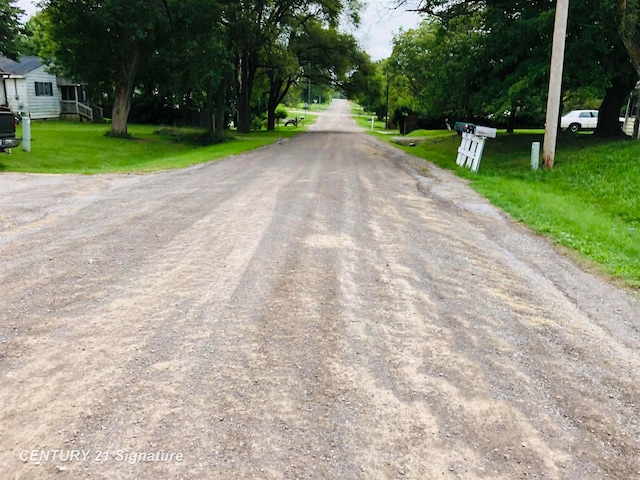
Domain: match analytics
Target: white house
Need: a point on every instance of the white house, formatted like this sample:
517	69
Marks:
27	87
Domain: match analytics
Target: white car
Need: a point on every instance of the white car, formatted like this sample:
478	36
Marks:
579	120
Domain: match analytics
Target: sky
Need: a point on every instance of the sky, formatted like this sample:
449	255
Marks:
379	23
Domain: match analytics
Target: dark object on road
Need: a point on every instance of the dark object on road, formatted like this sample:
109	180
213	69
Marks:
8	138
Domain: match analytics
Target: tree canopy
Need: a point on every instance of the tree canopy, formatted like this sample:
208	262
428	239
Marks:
106	43
259	29
10	30
203	60
203	55
490	58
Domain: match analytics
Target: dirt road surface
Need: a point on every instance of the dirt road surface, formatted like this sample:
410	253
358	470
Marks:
323	308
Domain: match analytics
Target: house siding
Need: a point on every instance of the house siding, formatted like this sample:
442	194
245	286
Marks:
43	106
3	94
16	94
20	94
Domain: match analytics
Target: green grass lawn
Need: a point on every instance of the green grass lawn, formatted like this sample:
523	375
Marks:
68	147
365	122
589	202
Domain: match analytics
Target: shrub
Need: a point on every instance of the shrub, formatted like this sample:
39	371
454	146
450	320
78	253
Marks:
256	122
281	112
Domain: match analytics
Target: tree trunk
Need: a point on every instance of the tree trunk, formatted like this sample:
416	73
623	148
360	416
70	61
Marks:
271	119
221	107
212	124
511	123
243	113
277	91
216	99
627	19
609	112
274	100
245	74
122	100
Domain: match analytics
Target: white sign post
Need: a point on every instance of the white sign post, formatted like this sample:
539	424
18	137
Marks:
535	155
26	133
470	151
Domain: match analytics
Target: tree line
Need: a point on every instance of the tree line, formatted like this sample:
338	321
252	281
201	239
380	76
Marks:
209	56
489	60
476	59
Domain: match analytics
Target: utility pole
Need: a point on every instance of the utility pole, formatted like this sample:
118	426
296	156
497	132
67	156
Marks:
555	83
386	117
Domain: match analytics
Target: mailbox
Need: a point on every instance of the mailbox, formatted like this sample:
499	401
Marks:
486	131
464	127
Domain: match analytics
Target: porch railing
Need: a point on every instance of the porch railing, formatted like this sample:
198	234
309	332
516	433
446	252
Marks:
76	108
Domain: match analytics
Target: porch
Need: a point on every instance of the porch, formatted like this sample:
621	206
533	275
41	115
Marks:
76	110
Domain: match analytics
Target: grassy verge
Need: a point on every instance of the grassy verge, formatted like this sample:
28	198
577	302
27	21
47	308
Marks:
363	119
317	107
365	122
588	203
67	147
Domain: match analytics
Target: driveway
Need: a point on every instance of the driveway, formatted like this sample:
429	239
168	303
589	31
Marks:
327	307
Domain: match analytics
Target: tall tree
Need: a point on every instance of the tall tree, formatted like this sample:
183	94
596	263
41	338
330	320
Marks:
106	42
10	29
512	51
327	57
309	52
197	62
282	70
255	26
628	20
441	63
366	85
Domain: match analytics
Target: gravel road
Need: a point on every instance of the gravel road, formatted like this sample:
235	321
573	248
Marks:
324	308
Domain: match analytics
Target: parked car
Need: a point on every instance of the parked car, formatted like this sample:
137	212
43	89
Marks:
577	120
8	138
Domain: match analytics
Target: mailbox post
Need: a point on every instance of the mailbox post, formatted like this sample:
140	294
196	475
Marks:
472	146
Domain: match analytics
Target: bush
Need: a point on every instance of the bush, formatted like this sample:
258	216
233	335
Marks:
281	112
256	122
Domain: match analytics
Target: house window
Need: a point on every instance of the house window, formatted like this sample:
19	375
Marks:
68	93
44	89
73	93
